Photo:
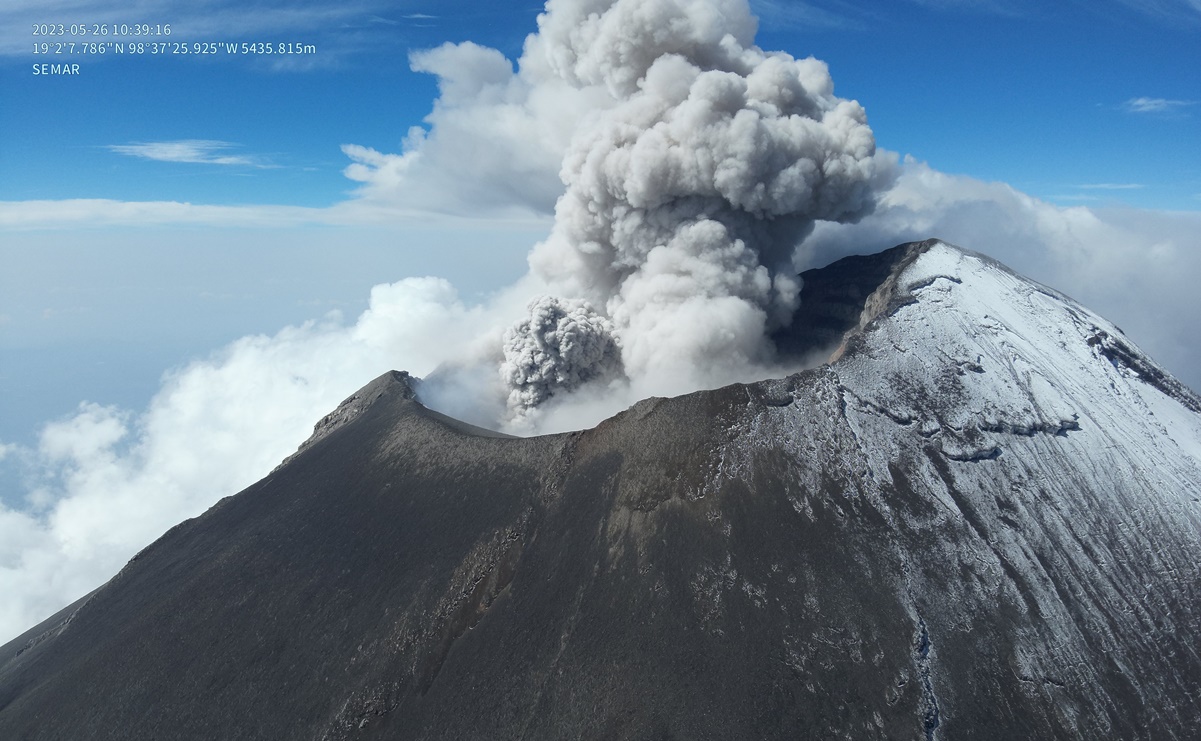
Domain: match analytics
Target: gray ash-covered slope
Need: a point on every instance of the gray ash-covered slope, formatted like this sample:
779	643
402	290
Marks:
981	521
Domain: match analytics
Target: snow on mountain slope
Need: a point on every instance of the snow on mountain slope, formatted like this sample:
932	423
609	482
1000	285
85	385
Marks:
1062	472
1038	362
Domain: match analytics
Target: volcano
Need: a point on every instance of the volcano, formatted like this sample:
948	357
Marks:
980	519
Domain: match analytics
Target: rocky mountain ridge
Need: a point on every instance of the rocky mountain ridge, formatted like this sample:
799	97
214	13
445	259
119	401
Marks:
979	521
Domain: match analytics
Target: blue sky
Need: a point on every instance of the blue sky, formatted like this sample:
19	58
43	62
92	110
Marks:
1045	97
186	259
1055	99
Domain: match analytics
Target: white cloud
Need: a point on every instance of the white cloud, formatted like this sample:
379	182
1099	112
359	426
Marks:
1111	186
339	30
107	481
495	138
794	14
1157	105
102	212
198	151
997	7
1179	11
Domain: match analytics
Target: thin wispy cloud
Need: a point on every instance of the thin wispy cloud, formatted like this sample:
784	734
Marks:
1094	192
319	21
1187	11
104	212
1111	186
194	151
848	15
1012	8
1157	105
790	14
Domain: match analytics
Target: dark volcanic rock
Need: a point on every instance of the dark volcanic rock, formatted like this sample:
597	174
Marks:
976	524
832	300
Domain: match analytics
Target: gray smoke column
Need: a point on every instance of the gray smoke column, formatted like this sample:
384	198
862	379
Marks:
562	345
686	198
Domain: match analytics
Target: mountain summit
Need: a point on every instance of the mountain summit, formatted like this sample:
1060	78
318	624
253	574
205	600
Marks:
980	519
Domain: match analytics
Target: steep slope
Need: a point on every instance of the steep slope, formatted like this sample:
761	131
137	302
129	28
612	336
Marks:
981	521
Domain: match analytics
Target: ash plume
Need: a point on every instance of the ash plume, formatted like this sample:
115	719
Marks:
686	198
559	347
692	164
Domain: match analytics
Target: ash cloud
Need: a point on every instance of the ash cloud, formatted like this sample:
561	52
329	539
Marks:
691	165
559	347
686	198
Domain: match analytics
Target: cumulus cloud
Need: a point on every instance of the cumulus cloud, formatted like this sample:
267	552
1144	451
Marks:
493	143
105	482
